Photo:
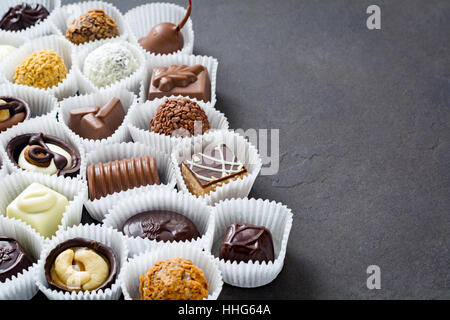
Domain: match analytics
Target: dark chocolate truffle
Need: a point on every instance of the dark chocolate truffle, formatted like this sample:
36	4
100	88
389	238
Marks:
246	242
81	265
166	37
22	16
97	122
91	26
180	116
45	154
160	225
12	111
13	258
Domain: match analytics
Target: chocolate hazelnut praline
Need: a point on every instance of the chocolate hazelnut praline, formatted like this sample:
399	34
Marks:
98	247
24	105
17	144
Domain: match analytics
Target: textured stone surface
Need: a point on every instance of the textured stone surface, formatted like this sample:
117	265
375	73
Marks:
364	136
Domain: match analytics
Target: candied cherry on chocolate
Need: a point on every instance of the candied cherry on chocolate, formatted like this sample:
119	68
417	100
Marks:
166	37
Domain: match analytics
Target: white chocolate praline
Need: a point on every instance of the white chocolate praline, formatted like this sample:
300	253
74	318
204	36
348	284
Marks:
6	50
39	206
79	269
109	63
51	169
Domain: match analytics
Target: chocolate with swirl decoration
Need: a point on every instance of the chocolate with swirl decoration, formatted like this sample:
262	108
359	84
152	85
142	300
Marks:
22	16
12	111
190	81
245	242
46	154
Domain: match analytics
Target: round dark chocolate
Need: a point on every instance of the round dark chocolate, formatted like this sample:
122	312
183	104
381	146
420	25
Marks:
13	258
246	242
22	16
19	111
17	144
108	253
160	225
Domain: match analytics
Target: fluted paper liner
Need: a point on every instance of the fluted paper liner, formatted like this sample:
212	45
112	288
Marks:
276	217
68	86
11	39
41	103
210	63
137	266
47	126
193	208
74	190
21	286
131	83
143	18
140	129
41	28
128	100
106	236
242	149
63	17
3	168
99	207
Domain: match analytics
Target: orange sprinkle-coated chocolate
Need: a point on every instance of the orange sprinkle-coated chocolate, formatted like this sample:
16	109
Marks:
41	69
173	279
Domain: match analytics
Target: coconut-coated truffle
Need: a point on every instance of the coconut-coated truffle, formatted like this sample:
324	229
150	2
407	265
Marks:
93	25
109	63
42	69
173	279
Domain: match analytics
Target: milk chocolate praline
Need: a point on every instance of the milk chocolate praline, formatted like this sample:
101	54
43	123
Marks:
19	111
13	258
160	225
17	144
98	247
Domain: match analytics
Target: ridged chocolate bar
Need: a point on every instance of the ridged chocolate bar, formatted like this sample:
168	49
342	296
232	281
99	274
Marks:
120	175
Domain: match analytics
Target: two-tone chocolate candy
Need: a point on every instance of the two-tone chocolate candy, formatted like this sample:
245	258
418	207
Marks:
13	111
13	258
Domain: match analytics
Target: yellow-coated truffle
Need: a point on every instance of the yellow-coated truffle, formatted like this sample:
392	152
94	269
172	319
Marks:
173	279
42	69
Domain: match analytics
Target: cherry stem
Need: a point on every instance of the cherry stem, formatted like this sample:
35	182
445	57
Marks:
186	17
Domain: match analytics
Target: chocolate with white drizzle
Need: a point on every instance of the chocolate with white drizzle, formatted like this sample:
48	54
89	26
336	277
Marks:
38	153
217	166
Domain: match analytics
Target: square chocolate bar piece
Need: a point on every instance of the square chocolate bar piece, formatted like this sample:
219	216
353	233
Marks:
203	173
97	122
188	81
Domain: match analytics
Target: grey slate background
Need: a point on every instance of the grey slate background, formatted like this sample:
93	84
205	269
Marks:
364	136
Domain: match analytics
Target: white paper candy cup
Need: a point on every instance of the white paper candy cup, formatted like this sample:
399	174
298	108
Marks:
143	18
41	103
10	39
99	207
65	15
3	168
48	126
137	266
65	88
140	130
106	236
191	207
210	63
74	190
128	100
21	286
242	149
41	28
131	83
276	217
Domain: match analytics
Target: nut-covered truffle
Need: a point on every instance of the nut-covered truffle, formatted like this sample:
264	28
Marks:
180	116
173	279
42	69
93	25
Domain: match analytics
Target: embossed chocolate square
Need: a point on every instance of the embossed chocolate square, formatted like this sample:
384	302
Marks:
189	81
